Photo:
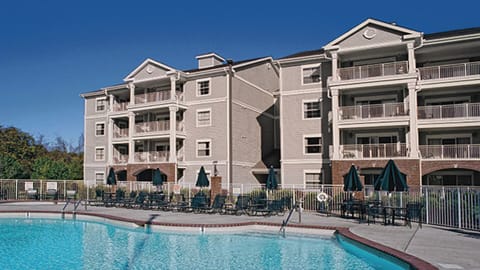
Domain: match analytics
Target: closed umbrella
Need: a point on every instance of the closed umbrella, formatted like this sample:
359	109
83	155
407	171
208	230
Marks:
158	178
391	179
271	179
202	179
351	181
111	179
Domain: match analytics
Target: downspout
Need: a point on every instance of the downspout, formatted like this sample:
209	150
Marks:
230	73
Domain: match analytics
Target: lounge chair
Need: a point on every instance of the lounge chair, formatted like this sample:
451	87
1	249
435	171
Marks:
273	207
177	203
51	194
199	203
32	194
218	205
98	201
140	201
241	206
157	200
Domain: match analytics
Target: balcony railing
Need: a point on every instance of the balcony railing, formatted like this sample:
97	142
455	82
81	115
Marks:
376	70
152	156
372	111
152	97
453	151
120	106
153	126
120	159
120	133
465	110
365	151
450	71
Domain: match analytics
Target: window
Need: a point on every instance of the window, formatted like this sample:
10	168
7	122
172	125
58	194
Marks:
101	105
203	118
99	153
203	148
313	179
313	145
311	74
99	129
99	177
312	109
203	88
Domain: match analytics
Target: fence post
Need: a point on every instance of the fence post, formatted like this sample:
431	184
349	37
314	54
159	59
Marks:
16	189
41	189
426	206
459	209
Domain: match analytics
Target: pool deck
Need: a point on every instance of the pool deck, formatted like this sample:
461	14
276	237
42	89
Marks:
441	247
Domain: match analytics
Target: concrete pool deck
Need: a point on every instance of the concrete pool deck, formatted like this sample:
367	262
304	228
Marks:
442	247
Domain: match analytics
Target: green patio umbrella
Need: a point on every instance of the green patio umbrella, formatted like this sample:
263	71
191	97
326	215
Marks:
111	179
202	179
351	180
391	179
158	178
271	179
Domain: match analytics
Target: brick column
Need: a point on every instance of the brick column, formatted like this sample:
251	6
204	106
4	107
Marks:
215	187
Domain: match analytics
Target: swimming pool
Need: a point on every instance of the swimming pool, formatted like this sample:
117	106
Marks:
41	243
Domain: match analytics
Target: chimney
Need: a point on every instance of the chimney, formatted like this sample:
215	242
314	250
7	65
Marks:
209	60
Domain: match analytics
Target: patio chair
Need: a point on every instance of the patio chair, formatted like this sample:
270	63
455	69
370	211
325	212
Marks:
98	200
118	200
414	212
51	194
199	203
374	210
241	206
218	205
140	201
273	207
177	203
32	194
157	200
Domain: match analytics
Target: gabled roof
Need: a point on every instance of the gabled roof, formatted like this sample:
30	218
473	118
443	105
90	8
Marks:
393	27
144	64
304	53
235	63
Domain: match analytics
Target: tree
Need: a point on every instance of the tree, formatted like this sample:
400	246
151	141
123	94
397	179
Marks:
11	168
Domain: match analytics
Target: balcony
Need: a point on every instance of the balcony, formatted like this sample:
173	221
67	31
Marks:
373	151
372	111
451	151
119	133
464	110
120	106
152	97
152	156
120	159
153	126
376	70
450	71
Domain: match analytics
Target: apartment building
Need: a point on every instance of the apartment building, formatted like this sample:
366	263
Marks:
177	121
379	91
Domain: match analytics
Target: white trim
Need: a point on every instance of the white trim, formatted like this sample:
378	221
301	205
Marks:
406	31
253	85
209	145
96	105
147	61
93	117
253	62
280	122
209	120
197	89
104	128
243	164
318	135
202	56
305	161
206	101
311	66
319	100
246	106
94	165
303	91
95	153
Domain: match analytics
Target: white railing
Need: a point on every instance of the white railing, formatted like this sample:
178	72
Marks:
454	151
120	106
152	156
152	97
120	132
365	151
372	111
153	126
120	159
180	126
376	70
450	71
465	110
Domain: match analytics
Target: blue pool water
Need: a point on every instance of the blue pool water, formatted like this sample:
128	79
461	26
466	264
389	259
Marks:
67	244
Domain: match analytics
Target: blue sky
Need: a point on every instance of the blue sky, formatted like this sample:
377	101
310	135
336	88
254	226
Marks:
51	51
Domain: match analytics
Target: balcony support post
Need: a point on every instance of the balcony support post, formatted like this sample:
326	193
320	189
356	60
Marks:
109	130
335	130
173	139
411	58
131	86
131	142
334	65
412	103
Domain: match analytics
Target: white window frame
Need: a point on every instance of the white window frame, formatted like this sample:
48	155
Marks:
96	104
305	145
310	101
99	172
305	172
197	84
201	141
210	114
104	153
309	67
104	129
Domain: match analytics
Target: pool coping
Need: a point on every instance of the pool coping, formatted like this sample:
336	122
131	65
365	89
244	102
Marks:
414	262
